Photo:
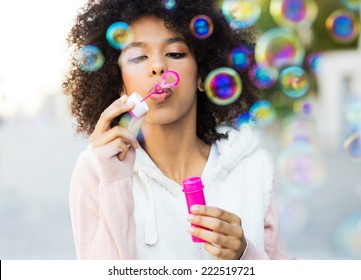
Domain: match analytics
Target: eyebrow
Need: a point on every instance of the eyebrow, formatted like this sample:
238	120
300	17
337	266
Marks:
168	41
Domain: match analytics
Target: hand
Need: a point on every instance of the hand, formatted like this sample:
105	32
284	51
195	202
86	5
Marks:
225	238
117	136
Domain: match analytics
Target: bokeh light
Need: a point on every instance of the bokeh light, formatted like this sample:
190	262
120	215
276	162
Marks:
347	236
279	47
241	57
343	26
169	4
294	13
245	118
304	107
223	85
89	58
242	13
294	81
352	5
201	26
263	76
313	62
119	35
263	112
298	130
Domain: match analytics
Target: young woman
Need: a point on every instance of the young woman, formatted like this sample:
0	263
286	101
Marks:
126	197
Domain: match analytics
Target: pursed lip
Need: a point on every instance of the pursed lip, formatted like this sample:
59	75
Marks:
162	96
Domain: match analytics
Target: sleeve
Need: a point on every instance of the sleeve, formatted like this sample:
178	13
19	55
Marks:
273	248
102	206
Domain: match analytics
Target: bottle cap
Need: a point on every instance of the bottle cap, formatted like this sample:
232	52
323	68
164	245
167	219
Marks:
140	108
192	184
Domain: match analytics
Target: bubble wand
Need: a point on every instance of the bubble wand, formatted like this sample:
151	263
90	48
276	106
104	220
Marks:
170	79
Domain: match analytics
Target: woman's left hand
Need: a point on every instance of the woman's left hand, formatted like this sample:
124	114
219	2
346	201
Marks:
225	238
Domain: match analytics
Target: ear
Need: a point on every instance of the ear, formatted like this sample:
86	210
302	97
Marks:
200	85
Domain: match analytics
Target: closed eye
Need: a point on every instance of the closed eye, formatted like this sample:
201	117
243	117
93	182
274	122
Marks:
176	55
138	59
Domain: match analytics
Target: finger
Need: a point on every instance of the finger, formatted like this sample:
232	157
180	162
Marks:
220	253
216	225
115	133
216	213
115	109
228	242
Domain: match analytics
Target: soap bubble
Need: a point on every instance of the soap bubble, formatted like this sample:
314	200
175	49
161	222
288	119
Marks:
304	107
300	168
294	13
294	81
347	236
242	13
223	85
352	5
240	57
279	47
119	35
201	26
353	145
343	26
313	61
169	4
89	58
263	76
245	118
263	112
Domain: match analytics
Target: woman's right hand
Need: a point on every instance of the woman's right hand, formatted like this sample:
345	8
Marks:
104	135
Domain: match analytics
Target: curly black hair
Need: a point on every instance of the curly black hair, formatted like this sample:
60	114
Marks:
92	92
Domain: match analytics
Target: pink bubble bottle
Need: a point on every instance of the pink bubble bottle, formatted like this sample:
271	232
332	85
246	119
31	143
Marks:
193	190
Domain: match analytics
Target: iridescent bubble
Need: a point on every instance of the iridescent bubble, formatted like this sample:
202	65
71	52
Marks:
263	112
169	4
223	85
294	13
119	35
343	26
353	145
313	61
263	76
201	26
298	130
242	13
89	58
300	169
241	57
352	5
294	81
304	107
245	118
347	235
279	47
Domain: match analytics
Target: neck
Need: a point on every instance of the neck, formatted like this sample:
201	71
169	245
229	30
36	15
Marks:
176	149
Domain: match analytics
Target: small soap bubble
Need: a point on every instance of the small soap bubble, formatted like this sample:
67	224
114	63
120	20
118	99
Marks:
300	169
223	85
242	13
352	5
343	26
119	35
263	76
294	81
279	47
352	145
347	235
263	112
303	107
169	4
294	13
89	58
201	26
245	118
241	57
313	61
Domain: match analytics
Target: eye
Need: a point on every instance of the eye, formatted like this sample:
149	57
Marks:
138	59
176	55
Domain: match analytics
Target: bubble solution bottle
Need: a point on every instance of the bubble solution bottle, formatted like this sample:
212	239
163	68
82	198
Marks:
193	190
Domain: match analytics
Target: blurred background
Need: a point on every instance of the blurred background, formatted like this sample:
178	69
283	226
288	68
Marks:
308	68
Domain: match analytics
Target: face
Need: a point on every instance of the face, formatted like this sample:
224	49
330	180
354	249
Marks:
153	51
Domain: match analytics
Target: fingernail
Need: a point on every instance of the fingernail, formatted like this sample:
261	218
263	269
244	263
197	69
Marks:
190	217
194	208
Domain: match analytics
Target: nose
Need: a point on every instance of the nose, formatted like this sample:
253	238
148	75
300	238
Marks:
157	67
